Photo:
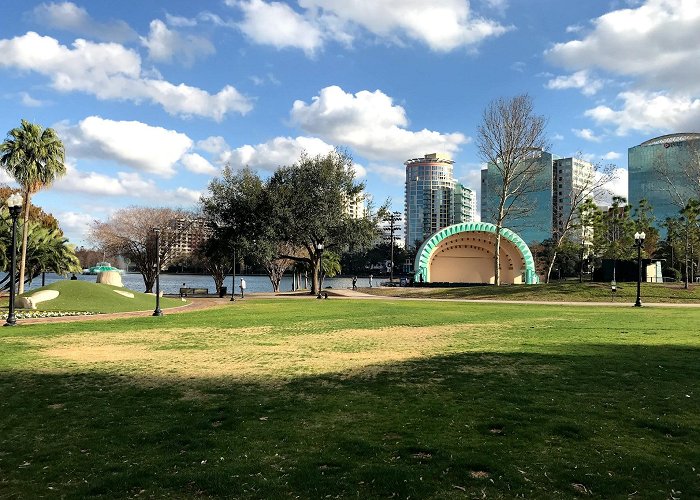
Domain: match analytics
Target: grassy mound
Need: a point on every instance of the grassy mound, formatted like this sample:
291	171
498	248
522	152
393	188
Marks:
77	295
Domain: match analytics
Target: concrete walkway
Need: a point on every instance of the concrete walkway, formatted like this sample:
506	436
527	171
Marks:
202	303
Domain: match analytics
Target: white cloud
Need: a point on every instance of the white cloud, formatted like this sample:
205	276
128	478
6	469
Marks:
656	42
111	71
180	21
611	155
586	134
97	184
214	144
187	196
388	173
615	187
648	111
199	165
442	25
69	17
579	80
6	178
371	124
29	101
75	225
143	147
360	170
558	137
164	45
278	25
275	153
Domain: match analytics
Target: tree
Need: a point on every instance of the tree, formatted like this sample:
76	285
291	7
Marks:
308	206
129	232
214	255
238	210
586	187
592	235
510	139
48	249
644	222
681	180
35	157
690	220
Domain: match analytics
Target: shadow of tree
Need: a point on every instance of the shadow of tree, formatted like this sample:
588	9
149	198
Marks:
610	420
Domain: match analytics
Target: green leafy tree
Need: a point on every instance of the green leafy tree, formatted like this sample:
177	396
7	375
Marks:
34	156
644	221
308	206
47	249
690	221
215	257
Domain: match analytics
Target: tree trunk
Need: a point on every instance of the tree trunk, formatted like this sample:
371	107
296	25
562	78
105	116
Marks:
316	278
687	247
551	265
497	258
25	237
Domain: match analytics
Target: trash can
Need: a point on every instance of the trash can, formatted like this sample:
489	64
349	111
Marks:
222	291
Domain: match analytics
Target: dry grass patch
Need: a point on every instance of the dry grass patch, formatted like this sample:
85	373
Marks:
251	353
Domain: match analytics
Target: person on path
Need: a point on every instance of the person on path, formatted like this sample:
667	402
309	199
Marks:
370	281
242	287
354	282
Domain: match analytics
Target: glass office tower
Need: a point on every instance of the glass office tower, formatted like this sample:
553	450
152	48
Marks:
532	212
664	171
541	213
434	199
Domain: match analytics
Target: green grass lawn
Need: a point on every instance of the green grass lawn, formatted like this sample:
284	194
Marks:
75	295
355	398
554	292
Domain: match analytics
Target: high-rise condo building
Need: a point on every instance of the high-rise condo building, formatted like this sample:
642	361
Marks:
540	212
434	198
664	171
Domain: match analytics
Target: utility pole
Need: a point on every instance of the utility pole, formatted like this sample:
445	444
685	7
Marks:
393	219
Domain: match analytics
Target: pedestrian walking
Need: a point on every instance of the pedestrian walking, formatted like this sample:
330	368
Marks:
354	282
242	287
370	281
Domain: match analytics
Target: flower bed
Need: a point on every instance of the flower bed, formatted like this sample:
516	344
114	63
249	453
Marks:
46	314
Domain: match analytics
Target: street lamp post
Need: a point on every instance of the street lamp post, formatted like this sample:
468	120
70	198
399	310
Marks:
638	242
319	247
233	277
157	311
14	203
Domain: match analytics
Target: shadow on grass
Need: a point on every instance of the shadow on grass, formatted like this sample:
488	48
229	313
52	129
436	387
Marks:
611	422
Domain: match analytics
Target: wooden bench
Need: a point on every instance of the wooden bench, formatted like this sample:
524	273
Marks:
186	291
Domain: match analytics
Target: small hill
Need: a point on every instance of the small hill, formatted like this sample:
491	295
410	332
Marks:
75	295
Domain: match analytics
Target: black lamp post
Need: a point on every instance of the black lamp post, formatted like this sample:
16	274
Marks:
233	277
638	242
319	247
157	311
14	203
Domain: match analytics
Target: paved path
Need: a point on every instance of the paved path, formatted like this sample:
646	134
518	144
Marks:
197	304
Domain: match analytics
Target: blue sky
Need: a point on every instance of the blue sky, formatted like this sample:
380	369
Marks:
152	97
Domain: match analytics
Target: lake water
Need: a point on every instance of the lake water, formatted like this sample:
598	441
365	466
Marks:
171	283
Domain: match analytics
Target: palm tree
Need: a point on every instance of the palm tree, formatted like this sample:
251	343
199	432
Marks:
35	157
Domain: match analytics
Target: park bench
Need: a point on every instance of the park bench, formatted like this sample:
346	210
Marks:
189	292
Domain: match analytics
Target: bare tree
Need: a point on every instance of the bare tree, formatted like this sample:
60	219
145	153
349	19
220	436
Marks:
590	184
510	139
129	232
681	177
